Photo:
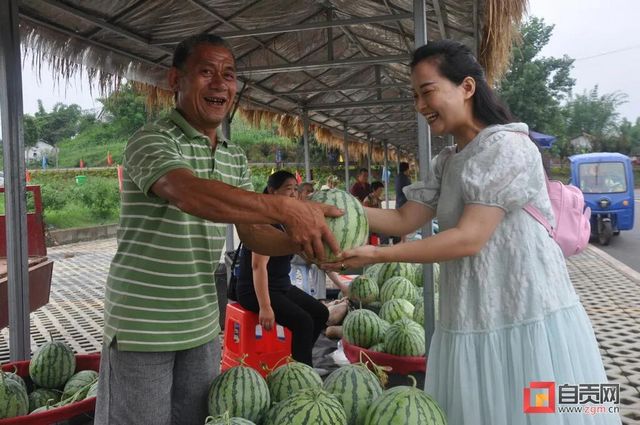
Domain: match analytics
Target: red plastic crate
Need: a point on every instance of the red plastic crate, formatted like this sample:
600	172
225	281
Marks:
245	339
87	406
399	364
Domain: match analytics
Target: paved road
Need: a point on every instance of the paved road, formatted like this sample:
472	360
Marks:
626	246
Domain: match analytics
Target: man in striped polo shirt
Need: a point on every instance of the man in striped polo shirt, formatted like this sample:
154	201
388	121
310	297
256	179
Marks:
181	182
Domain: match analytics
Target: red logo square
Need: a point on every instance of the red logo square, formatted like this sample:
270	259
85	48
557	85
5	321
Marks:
545	402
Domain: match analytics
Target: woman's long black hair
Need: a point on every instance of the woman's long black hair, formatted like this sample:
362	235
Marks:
277	179
456	62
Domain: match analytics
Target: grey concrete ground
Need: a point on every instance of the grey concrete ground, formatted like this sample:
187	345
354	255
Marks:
609	290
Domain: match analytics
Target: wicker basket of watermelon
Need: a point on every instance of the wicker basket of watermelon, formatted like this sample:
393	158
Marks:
54	386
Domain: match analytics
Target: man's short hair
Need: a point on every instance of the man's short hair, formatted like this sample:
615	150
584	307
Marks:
301	186
376	185
363	170
184	49
404	166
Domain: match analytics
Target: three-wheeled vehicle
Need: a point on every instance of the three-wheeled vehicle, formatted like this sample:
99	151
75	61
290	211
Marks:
606	180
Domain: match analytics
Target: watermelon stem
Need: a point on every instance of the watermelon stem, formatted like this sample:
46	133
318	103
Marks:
379	371
413	380
287	359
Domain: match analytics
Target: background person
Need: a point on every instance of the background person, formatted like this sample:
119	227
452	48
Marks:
305	190
264	287
509	314
402	180
361	188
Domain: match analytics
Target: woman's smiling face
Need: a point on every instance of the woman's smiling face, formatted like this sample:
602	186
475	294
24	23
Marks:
438	99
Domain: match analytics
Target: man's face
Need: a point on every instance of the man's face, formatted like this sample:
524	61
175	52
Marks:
206	86
305	192
363	177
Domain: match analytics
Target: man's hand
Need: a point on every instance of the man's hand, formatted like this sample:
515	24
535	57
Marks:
305	224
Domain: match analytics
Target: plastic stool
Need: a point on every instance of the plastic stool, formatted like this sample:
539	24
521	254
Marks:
245	338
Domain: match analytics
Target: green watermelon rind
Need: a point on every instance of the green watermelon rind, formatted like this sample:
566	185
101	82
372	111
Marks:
52	365
310	406
242	392
356	387
405	405
291	378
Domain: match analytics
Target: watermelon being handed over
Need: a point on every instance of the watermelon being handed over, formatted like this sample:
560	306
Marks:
351	229
242	392
52	365
311	406
290	378
405	405
356	387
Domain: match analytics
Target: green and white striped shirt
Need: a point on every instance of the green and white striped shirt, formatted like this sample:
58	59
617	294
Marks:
161	293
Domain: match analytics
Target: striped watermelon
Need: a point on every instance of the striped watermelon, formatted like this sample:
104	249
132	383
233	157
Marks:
363	290
398	287
241	391
93	390
389	270
356	387
378	348
226	420
351	229
418	278
372	270
394	310
418	312
52	365
405	405
291	378
362	328
311	406
13	398
79	383
40	396
15	377
405	338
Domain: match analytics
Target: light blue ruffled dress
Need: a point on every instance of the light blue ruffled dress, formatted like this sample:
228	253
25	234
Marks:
508	315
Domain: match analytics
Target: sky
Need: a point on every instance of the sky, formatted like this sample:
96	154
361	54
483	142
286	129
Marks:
607	30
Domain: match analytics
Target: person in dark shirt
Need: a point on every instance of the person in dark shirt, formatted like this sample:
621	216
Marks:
264	287
361	188
402	180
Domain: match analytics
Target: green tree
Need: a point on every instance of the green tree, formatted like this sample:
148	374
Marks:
535	86
125	108
596	115
630	133
62	122
30	130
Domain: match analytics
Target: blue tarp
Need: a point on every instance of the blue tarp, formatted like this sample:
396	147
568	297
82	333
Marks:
544	140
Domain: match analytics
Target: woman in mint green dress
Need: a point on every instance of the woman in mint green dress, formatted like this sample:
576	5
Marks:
509	314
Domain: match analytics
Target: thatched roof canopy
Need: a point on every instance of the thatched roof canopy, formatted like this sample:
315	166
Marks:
343	61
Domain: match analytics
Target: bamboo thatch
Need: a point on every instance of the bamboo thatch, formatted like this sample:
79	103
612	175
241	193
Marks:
501	21
133	40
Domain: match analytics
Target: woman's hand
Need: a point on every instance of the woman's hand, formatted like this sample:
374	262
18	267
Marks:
266	317
356	257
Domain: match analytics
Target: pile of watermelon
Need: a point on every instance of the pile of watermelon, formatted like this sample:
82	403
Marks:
391	319
54	383
294	394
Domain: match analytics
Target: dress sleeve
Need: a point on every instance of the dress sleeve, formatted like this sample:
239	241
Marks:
427	193
506	173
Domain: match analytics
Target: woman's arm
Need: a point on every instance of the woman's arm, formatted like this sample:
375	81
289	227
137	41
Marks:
266	316
475	228
405	220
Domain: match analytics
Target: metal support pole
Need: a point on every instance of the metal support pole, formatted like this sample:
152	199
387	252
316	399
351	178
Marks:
386	173
14	181
398	160
307	162
424	161
369	152
231	244
345	155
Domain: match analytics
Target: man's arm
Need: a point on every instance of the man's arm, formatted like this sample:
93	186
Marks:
216	201
265	239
